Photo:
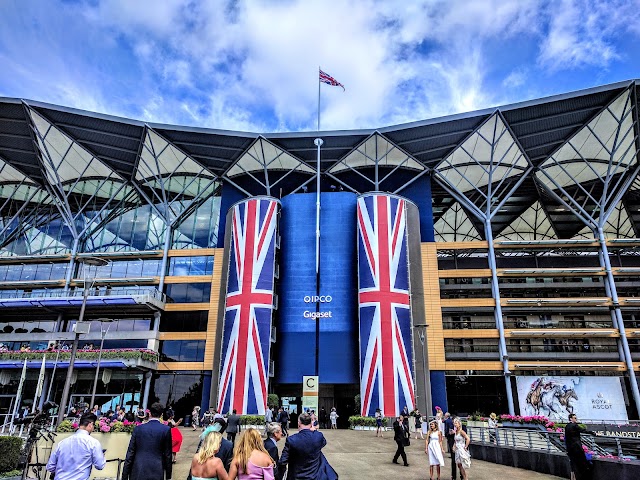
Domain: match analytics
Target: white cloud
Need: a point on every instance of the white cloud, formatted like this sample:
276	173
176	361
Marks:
252	65
583	32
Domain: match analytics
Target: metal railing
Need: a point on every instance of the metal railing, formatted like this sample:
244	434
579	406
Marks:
523	438
151	291
553	443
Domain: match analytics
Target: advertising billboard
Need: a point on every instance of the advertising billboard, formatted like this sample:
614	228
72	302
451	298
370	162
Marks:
590	398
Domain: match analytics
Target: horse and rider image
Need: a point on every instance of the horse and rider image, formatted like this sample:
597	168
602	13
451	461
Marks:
550	398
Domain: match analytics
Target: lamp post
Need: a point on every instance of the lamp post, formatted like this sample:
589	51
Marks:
80	327
422	329
103	334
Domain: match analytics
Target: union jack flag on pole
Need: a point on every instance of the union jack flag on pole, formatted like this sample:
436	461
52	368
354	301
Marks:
329	80
249	305
386	379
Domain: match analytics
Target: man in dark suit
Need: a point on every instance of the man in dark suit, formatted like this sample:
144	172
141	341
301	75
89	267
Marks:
274	434
233	425
579	463
225	452
283	420
400	435
303	452
149	453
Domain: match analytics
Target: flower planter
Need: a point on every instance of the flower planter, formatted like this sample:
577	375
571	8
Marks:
511	424
116	445
529	426
477	423
257	427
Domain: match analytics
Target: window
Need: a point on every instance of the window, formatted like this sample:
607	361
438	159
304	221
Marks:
181	266
189	292
182	350
184	321
125	269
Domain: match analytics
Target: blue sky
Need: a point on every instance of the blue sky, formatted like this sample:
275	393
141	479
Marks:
252	65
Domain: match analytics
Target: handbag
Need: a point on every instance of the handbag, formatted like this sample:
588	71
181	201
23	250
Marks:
406	441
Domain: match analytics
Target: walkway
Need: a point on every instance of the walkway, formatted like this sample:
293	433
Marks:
359	455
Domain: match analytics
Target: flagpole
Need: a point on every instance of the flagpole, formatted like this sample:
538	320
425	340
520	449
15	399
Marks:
319	68
53	375
19	394
318	143
40	384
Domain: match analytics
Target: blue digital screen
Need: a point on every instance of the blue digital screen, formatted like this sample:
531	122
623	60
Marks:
296	337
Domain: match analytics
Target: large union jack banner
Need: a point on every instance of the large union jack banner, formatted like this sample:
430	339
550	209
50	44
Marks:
249	304
386	379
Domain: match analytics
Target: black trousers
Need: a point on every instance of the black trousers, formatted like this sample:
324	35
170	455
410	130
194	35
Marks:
400	452
231	436
284	426
580	465
454	468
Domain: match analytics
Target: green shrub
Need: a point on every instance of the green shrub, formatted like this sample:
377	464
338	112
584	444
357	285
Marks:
65	427
11	473
10	448
273	400
358	421
251	420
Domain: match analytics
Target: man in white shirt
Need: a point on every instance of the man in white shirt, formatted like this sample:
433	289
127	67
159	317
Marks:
75	456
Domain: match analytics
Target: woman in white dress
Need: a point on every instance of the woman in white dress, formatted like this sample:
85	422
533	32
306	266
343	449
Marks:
440	422
434	449
333	416
425	427
461	447
412	423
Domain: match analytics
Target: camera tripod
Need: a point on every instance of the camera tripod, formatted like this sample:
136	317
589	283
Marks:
40	429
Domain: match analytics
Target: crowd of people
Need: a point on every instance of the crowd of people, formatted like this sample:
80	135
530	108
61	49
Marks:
152	449
156	441
444	428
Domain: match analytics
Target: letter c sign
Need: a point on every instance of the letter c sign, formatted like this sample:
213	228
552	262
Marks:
310	385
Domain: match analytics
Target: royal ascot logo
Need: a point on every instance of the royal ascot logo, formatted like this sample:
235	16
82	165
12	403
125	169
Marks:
600	403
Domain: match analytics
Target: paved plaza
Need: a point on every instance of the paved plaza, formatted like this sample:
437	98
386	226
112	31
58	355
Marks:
360	455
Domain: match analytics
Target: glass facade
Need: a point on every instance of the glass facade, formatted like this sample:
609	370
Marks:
33	271
182	390
184	321
117	325
140	267
184	266
189	292
182	350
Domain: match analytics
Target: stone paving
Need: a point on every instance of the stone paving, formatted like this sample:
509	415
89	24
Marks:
360	455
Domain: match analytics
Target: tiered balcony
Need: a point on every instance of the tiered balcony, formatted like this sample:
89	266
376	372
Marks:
111	358
149	298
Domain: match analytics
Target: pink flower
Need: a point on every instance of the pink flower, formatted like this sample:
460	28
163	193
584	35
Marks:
75	425
105	428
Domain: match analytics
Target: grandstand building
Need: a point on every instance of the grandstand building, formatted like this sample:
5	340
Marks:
512	232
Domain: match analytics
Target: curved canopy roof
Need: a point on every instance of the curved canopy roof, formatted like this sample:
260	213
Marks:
561	137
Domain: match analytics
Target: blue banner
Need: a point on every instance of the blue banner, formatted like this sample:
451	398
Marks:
338	354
